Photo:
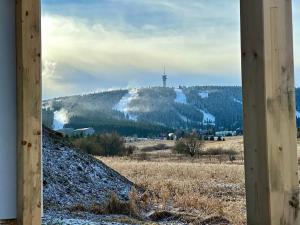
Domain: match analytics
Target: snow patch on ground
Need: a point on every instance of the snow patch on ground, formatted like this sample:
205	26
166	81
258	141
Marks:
203	94
297	114
180	96
237	101
72	222
79	222
61	118
208	119
124	104
82	218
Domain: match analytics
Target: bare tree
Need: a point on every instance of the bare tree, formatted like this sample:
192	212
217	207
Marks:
190	145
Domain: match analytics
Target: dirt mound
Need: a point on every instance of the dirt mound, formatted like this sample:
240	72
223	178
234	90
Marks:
72	178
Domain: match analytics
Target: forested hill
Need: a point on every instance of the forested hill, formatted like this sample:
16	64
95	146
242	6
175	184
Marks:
150	109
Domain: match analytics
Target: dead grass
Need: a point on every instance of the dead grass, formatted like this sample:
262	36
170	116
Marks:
114	206
202	189
209	186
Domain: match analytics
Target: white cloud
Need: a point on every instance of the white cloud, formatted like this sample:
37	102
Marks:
188	37
94	48
196	37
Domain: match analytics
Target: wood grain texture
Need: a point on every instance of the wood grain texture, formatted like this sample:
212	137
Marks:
269	113
28	33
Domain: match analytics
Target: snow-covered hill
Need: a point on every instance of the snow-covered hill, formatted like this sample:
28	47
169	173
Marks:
182	107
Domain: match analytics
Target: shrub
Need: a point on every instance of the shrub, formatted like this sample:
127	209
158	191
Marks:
180	147
108	144
142	157
189	145
219	151
154	148
129	150
113	206
116	206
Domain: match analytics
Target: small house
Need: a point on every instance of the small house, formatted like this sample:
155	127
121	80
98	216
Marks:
84	132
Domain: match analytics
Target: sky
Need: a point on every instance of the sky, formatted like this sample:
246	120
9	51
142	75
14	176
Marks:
97	45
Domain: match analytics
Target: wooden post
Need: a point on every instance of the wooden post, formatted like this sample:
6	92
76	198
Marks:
269	112
28	35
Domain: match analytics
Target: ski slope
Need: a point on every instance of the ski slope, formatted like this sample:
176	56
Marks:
180	96
124	104
208	119
60	119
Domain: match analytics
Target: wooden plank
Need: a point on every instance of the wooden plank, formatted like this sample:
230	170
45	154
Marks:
28	32
269	113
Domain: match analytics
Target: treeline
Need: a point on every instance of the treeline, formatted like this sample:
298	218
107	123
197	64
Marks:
47	117
122	127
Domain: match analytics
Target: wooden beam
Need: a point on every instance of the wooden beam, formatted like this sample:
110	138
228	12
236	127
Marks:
28	35
269	112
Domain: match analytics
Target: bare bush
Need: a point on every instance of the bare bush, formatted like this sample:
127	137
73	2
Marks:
189	145
114	206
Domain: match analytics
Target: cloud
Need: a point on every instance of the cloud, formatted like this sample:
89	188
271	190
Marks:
104	51
103	44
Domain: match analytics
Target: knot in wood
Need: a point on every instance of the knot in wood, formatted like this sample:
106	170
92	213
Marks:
294	202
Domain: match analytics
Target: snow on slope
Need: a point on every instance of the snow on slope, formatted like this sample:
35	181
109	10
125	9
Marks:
60	119
124	104
208	119
203	94
297	114
180	96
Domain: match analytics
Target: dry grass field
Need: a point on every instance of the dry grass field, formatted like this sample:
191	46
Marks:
194	186
202	189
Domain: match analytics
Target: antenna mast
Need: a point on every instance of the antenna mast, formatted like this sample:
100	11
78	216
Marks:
164	78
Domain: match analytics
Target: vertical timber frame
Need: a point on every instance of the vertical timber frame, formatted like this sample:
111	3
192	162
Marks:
28	44
269	112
